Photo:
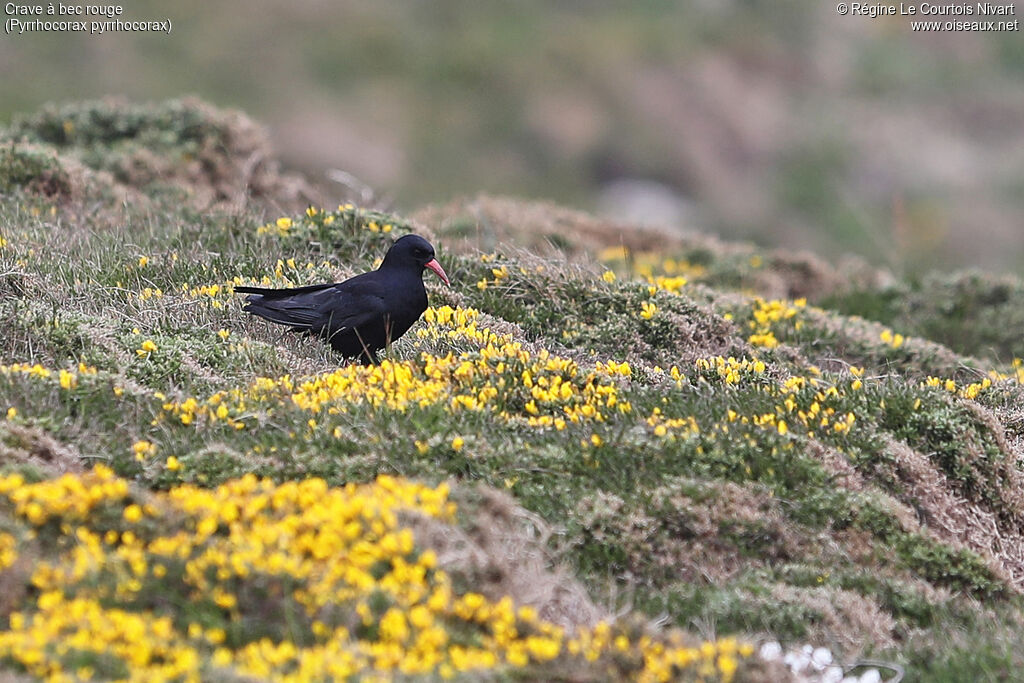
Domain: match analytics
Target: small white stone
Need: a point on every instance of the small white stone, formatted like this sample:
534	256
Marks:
871	676
808	650
797	662
821	657
771	651
833	674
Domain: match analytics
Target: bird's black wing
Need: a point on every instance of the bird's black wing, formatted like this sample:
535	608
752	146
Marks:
353	303
295	307
321	309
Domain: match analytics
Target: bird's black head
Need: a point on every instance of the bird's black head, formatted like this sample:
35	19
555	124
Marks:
412	251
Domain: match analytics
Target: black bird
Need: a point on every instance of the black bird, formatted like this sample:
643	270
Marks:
363	314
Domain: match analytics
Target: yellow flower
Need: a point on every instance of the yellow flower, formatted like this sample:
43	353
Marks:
142	449
225	600
457	443
223	334
766	340
608	276
173	463
12	413
648	310
727	665
893	340
143	261
147	348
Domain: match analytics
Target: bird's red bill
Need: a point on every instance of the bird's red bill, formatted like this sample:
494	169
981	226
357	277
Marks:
436	267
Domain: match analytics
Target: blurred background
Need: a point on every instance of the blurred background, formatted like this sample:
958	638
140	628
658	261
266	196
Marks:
777	122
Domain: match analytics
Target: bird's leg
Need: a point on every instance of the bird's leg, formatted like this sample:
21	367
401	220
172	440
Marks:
387	336
367	357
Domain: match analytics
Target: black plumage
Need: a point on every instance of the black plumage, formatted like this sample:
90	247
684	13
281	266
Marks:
363	314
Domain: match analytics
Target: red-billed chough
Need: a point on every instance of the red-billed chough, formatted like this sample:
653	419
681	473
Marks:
363	314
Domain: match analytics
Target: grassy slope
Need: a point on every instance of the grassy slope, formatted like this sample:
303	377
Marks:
783	470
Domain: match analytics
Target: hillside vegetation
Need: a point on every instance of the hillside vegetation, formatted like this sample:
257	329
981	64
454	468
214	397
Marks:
603	453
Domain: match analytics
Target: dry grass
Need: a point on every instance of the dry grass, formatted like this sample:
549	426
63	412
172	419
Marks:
23	445
503	549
